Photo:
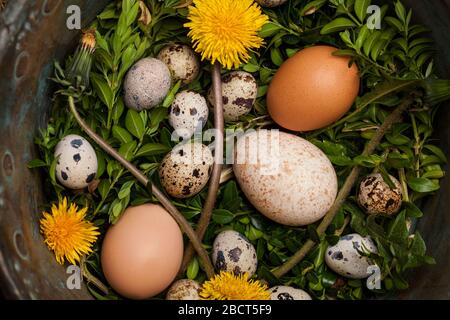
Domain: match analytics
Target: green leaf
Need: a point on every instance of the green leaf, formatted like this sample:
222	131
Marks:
121	134
276	56
135	124
361	9
336	25
423	185
255	234
400	11
362	36
52	170
397	230
269	29
125	189
171	95
103	90
152	149
418	246
36	163
370	42
118	110
312	7
222	216
394	22
192	269
437	152
384	89
103	188
127	150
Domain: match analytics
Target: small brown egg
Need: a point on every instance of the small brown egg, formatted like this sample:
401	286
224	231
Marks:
313	89
142	252
376	197
184	289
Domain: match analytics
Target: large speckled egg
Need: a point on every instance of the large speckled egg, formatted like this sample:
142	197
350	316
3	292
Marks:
184	289
312	89
344	258
142	253
232	252
377	197
146	84
182	62
239	92
188	113
288	179
271	3
76	166
185	170
288	293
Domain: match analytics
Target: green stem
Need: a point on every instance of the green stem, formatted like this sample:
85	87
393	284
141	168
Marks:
346	189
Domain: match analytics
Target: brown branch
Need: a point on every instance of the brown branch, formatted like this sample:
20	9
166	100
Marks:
346	189
142	178
214	182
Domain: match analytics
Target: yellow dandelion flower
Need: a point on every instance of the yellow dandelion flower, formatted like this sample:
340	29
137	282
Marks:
227	286
225	30
67	233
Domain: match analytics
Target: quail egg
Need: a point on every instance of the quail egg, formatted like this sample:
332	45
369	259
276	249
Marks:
271	3
76	164
239	92
182	62
185	170
376	197
184	289
188	113
146	84
288	293
232	252
345	258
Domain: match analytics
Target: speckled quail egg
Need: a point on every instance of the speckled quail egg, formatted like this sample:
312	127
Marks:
288	293
184	289
185	170
376	197
271	3
232	252
188	113
239	92
345	259
285	177
146	84
182	62
76	166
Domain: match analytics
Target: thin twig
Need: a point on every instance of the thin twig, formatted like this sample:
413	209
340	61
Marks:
179	218
214	182
343	194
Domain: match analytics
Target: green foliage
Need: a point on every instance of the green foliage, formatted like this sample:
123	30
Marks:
393	60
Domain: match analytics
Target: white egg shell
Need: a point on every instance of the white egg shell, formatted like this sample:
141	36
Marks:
288	293
182	62
232	252
146	84
77	162
188	113
271	3
184	289
185	170
344	258
288	179
239	92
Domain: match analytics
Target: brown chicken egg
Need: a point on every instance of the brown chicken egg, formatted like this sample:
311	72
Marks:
313	89
142	252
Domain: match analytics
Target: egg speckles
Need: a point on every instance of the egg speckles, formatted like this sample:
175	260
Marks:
376	197
188	113
288	293
232	252
285	177
239	92
182	62
76	166
344	257
146	84
185	170
271	3
184	289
